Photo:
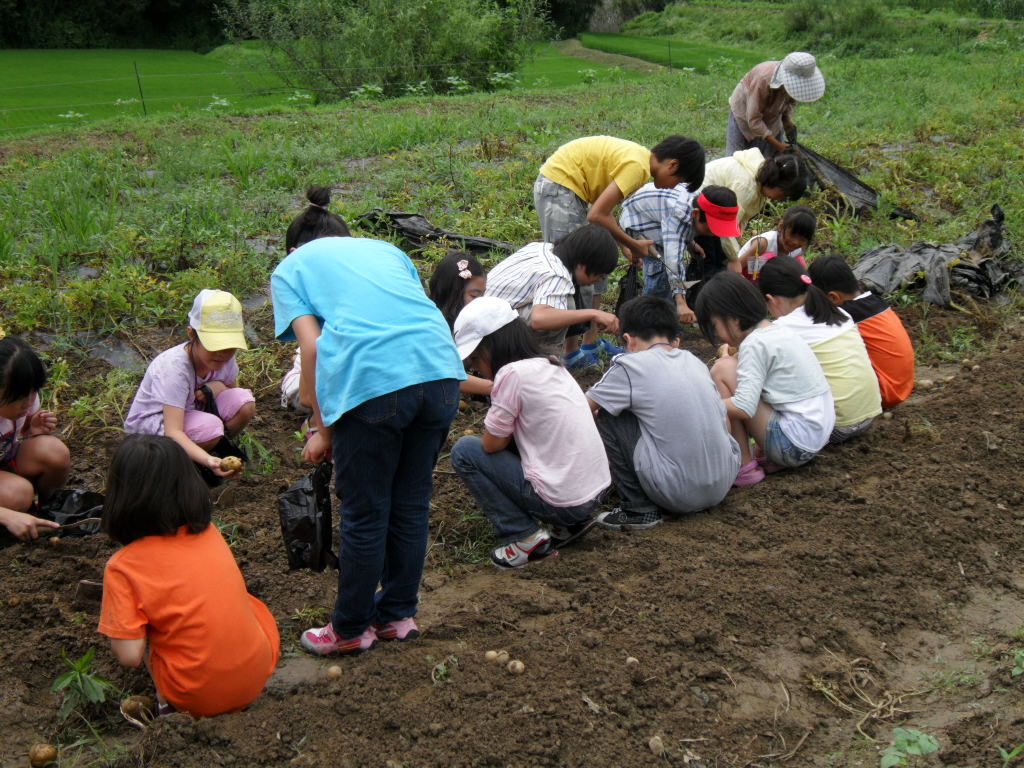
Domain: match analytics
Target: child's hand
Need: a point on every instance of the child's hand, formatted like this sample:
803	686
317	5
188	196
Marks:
216	387
24	526
726	351
606	321
214	464
318	448
41	423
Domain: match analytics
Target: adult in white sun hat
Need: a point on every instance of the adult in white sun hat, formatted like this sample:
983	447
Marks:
761	105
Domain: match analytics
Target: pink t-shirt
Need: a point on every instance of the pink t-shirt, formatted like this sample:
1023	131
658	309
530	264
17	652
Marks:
10	431
542	406
170	380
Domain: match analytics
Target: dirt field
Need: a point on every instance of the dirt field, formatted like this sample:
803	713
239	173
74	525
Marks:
793	625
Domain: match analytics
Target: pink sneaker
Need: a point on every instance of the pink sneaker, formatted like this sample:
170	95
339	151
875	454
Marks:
325	640
749	474
403	629
769	467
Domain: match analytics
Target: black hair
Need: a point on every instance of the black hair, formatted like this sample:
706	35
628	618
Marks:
512	342
447	289
801	221
785	172
784	276
727	295
832	273
689	156
21	370
153	488
717	195
316	221
591	246
649	317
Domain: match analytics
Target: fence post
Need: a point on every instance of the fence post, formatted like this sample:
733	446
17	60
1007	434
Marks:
141	94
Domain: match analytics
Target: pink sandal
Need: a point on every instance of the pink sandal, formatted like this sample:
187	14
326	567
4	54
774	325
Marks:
749	474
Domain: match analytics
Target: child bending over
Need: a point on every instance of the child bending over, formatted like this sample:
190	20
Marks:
887	342
560	469
32	461
773	386
792	237
662	422
173	596
180	380
834	339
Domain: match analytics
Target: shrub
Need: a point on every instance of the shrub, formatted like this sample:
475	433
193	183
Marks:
334	47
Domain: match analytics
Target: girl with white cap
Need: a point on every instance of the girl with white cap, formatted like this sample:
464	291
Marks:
761	105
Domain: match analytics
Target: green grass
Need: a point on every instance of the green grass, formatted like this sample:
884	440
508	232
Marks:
77	88
672	52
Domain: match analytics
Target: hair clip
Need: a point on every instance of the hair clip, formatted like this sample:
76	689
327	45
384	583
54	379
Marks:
806	279
464	272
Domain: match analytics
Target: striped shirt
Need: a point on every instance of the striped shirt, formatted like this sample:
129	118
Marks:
532	275
666	217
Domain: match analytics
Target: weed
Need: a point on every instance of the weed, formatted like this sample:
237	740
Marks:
442	670
261	460
310	615
1011	755
81	687
907	742
1018	662
229	530
951	679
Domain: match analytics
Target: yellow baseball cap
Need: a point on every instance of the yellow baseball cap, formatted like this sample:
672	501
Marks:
216	317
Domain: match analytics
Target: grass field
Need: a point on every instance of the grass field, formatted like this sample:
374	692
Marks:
679	54
45	89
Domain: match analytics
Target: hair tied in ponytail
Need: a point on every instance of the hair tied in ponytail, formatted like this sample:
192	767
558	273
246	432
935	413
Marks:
806	279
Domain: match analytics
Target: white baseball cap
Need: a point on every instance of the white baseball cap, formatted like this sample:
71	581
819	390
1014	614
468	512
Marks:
479	318
216	317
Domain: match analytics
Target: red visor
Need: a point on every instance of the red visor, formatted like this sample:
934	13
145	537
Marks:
721	218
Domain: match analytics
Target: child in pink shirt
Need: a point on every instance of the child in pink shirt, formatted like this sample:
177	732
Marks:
556	468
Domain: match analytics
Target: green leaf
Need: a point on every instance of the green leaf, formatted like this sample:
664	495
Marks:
923	744
890	759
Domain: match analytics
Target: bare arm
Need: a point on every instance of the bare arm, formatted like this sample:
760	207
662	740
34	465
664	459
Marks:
307	331
601	213
546	318
493	443
23	525
476	385
129	653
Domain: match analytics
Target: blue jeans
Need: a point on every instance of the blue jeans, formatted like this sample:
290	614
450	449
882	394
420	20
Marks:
779	449
507	498
384	455
656	279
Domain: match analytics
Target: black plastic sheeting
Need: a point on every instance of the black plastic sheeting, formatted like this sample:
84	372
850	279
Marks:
980	264
827	175
306	520
72	505
417	232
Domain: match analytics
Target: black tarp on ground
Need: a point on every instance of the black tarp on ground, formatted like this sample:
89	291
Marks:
418	232
827	175
980	264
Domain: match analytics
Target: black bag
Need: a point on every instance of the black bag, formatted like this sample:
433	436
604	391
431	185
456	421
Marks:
306	520
72	505
629	287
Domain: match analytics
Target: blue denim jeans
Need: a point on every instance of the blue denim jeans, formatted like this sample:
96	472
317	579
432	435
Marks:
507	498
384	455
656	279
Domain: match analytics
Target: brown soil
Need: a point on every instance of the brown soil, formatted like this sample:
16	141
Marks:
880	586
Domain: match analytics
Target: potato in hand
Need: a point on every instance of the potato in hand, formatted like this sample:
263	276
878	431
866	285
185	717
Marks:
230	464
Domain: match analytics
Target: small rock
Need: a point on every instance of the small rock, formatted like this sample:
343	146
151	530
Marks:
925	384
656	745
88	273
631	661
702	697
975	367
887	415
435	729
592	639
806	644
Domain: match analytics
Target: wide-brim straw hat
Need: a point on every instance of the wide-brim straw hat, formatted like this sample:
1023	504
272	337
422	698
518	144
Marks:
798	73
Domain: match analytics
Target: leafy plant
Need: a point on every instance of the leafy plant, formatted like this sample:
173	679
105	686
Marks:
1018	662
261	460
907	742
1009	756
442	670
80	686
229	530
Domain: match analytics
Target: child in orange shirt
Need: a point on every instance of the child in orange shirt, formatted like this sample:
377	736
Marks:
889	346
175	584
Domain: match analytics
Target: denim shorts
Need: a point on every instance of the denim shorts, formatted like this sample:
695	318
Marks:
842	434
779	449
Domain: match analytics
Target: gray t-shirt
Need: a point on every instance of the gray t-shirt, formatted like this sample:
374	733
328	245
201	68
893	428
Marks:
686	459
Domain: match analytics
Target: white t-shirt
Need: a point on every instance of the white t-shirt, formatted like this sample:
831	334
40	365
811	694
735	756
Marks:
541	405
532	275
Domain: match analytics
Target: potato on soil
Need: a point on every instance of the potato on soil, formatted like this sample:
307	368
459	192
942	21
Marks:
140	707
516	667
491	656
502	657
334	671
42	754
657	745
230	464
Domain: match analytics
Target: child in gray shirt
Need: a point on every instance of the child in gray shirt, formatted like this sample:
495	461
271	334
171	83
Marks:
662	421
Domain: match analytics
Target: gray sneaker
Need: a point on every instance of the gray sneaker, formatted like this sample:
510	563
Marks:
621	520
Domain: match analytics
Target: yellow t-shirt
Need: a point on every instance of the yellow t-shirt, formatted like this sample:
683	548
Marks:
588	165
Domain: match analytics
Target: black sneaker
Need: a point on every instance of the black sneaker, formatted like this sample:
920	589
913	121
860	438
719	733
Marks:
561	535
621	520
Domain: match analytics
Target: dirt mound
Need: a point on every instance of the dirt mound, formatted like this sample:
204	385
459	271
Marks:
879	586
